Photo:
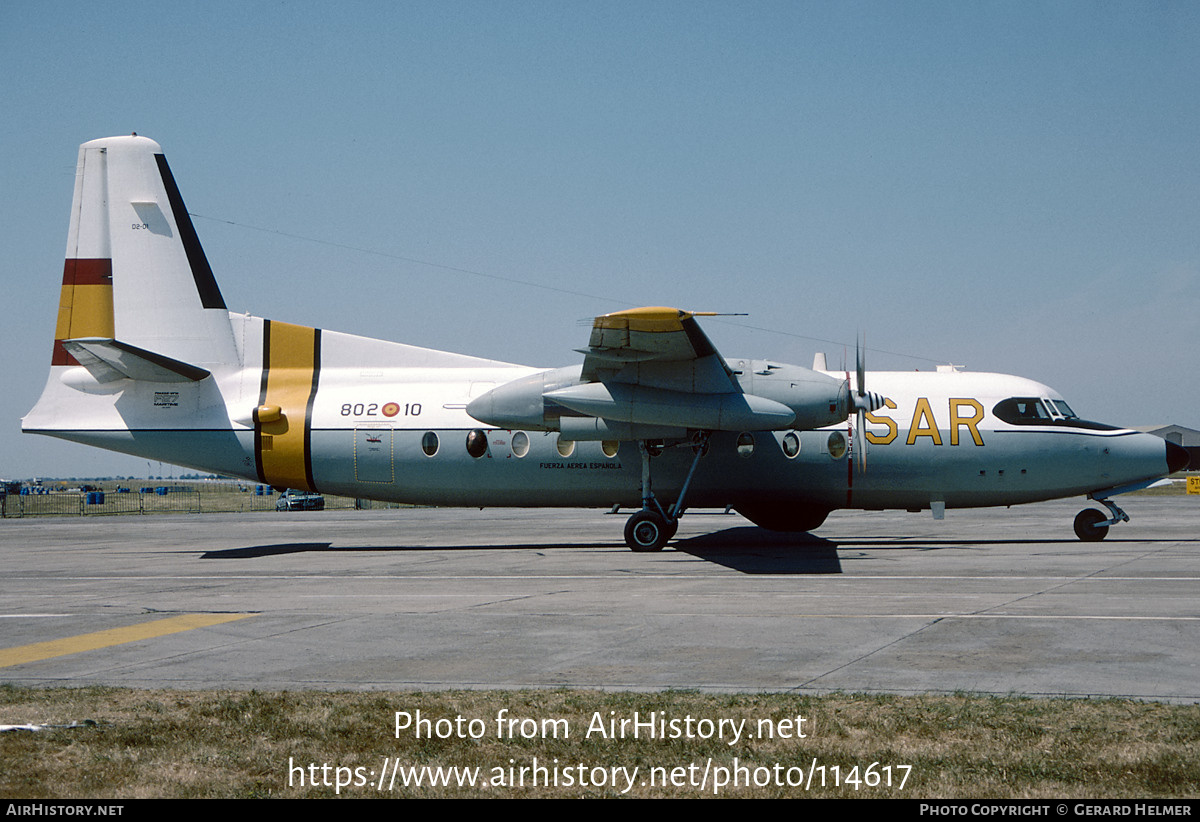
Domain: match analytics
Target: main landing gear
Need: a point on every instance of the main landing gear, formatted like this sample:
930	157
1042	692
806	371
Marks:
1092	526
652	527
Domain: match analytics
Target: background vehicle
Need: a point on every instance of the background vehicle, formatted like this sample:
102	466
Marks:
295	500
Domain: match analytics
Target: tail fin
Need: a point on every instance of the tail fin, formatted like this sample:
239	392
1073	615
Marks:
135	271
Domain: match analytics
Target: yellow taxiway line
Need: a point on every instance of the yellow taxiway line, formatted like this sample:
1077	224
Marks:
114	636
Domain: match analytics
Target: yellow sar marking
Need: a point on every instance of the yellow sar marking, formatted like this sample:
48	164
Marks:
883	419
972	422
964	413
923	413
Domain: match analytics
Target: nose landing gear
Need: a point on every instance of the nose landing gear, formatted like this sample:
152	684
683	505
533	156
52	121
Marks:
1092	526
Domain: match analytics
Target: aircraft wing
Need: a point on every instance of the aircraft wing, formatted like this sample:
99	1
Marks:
655	366
656	347
652	373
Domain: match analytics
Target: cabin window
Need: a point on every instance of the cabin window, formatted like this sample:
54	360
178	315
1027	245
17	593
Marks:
477	443
565	447
520	444
837	445
609	447
429	443
791	444
745	444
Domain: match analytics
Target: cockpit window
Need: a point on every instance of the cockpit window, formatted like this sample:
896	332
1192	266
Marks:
1043	411
1022	411
1064	409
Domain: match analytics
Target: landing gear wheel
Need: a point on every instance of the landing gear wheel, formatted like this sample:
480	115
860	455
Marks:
1088	527
647	531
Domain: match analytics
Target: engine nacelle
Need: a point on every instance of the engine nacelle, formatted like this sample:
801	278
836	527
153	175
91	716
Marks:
816	398
623	402
521	404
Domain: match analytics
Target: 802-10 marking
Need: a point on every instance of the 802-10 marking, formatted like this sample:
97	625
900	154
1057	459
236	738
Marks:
372	409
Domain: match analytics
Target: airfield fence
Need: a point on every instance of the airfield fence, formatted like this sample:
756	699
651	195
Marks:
175	499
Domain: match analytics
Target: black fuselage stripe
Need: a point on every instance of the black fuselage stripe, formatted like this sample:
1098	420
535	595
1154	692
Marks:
308	410
262	400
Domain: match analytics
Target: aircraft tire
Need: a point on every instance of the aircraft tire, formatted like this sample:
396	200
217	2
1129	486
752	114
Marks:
672	527
647	531
1087	525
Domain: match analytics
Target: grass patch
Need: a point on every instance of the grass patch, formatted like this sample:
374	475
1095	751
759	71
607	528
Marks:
239	744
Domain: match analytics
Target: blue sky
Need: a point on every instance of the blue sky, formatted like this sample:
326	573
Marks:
1009	186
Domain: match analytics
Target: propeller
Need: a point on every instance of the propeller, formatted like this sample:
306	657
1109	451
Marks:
864	401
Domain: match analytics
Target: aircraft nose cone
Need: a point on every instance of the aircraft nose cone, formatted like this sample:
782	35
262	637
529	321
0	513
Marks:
1177	458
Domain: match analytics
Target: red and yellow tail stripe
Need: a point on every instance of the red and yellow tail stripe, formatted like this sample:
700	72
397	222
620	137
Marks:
85	308
283	426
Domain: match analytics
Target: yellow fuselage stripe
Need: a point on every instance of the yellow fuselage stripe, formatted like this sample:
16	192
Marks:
114	636
283	444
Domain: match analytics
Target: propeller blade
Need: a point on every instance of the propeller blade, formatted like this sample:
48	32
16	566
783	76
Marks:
860	365
864	402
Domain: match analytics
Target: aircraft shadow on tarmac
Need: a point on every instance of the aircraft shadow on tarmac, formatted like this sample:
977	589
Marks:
281	549
747	549
255	551
753	550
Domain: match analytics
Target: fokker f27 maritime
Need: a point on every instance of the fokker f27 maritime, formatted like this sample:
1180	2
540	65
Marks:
148	361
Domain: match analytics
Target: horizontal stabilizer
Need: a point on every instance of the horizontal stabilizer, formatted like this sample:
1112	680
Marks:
109	360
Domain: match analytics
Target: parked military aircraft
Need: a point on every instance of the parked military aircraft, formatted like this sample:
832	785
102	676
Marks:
147	360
